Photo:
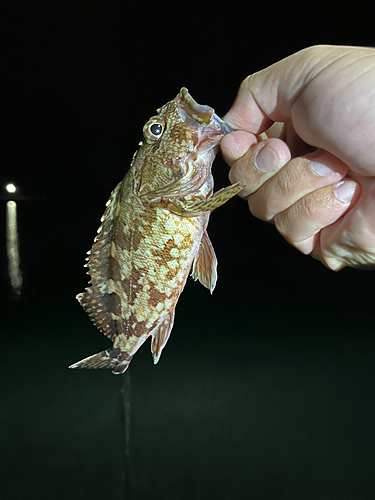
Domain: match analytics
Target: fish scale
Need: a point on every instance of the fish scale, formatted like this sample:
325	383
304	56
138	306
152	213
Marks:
153	233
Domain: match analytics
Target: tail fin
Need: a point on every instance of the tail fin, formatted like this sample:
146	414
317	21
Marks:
115	359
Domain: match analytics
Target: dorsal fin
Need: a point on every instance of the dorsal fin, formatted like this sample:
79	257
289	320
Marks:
98	300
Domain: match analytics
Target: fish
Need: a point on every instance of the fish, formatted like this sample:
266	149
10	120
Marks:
153	233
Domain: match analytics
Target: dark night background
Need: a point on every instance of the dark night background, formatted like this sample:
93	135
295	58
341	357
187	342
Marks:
266	389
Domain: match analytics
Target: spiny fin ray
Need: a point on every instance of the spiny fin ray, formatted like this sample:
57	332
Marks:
160	337
97	298
205	264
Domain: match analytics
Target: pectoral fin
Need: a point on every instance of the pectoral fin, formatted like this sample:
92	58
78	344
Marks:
205	264
195	207
160	337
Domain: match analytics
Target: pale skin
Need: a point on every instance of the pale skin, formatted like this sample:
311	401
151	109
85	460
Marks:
312	174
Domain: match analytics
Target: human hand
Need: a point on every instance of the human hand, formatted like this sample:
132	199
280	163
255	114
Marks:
321	99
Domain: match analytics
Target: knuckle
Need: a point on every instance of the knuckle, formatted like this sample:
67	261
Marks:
280	222
250	84
259	209
298	222
256	212
284	181
307	207
264	202
245	84
288	179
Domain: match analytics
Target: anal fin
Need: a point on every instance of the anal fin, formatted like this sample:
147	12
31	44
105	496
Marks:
160	336
205	264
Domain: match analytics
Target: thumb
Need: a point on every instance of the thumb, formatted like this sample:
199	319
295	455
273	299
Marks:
269	95
324	91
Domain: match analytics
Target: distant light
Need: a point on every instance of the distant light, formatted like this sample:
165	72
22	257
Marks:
10	188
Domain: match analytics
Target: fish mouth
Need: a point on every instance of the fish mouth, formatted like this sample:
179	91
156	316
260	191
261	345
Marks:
195	167
210	129
200	115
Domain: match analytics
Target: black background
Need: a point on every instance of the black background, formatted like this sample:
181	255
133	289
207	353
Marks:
265	389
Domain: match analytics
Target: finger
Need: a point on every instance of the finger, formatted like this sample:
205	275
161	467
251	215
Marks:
258	164
312	89
286	132
351	240
277	130
301	223
234	145
295	180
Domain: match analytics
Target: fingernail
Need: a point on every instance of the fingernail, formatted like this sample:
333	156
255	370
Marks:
265	160
344	191
317	166
321	169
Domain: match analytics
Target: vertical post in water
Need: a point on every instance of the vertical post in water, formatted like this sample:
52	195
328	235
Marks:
128	483
13	256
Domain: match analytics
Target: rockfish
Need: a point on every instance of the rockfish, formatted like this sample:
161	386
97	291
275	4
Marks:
154	231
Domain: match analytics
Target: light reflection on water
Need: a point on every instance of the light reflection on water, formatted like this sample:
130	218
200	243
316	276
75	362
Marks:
12	242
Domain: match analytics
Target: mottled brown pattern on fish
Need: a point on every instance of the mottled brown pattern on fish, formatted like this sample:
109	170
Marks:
152	231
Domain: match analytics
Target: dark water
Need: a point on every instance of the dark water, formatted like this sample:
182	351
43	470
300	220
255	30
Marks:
264	391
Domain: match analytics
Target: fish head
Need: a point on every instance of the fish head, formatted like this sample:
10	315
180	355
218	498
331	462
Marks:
179	147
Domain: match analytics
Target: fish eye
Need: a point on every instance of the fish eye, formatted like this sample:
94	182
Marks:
153	130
